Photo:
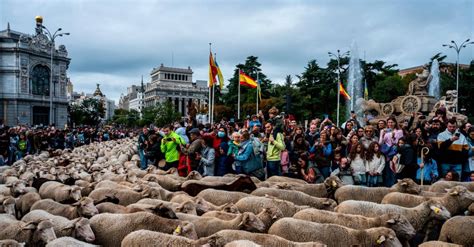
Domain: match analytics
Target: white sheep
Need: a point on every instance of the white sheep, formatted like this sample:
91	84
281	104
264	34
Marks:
398	223
60	192
375	194
220	197
418	216
29	232
78	228
332	234
458	230
24	202
11	243
110	229
438	244
83	208
255	204
155	239
441	186
297	197
69	242
223	237
456	200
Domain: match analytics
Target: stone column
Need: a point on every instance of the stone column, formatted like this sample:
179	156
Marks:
180	105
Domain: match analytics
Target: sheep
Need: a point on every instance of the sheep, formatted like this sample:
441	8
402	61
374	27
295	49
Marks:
124	196
297	197
60	192
470	209
164	181
285	180
155	239
203	206
455	230
255	204
242	243
24	202
14	188
398	223
456	200
83	208
86	186
78	228
187	207
375	194
110	229
332	234
418	216
438	244
193	187
223	237
108	207
220	197
29	232
11	243
8	205
69	242
326	189
268	216
441	186
206	226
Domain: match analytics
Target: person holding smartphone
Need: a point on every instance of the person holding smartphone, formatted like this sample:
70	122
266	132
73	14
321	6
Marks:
169	145
453	149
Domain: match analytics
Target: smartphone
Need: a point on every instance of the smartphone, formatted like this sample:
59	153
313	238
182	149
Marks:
168	139
457	134
326	116
352	112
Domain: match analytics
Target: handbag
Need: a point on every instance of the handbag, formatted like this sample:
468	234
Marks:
397	167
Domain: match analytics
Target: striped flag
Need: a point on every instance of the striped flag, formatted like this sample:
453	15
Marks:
212	70
247	81
219	75
343	92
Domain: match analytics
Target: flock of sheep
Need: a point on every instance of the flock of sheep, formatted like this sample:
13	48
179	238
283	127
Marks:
97	195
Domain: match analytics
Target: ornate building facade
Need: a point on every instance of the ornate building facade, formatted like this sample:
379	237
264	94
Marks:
176	85
25	77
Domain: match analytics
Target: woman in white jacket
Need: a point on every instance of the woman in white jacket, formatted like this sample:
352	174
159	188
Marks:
375	161
358	164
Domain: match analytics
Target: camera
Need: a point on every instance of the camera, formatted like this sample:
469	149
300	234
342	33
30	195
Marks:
168	139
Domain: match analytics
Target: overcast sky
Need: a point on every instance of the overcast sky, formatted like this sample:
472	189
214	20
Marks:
114	42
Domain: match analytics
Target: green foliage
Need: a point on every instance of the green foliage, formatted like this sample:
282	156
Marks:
247	95
166	114
126	118
89	112
389	88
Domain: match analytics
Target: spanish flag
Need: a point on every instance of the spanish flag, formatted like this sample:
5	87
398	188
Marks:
212	70
247	81
219	75
343	92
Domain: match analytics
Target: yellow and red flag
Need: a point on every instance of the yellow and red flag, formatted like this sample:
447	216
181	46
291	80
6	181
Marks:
343	92
212	70
247	81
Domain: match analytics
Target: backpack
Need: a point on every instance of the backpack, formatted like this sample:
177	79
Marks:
258	147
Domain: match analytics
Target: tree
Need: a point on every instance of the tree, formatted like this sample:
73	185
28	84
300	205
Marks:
389	88
166	114
89	112
247	95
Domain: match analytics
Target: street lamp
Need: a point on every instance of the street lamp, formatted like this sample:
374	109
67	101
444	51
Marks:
457	48
52	37
338	57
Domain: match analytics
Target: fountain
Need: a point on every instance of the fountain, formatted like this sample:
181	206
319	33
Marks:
433	89
416	102
355	84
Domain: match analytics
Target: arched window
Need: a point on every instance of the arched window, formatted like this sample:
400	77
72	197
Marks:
39	80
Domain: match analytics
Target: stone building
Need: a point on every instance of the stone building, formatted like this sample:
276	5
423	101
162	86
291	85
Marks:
175	85
25	77
167	84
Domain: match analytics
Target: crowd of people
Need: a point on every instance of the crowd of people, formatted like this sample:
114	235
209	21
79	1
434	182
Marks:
19	141
425	150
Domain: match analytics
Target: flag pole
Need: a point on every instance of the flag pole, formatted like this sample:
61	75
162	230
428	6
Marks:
213	96
209	103
258	88
238	96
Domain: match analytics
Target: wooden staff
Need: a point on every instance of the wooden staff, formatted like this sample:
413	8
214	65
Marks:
423	161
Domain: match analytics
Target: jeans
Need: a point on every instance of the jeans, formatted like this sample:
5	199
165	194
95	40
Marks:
360	179
372	181
388	175
325	171
456	167
143	160
273	168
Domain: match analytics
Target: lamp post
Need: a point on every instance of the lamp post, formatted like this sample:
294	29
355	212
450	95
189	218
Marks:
338	57
52	37
458	48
